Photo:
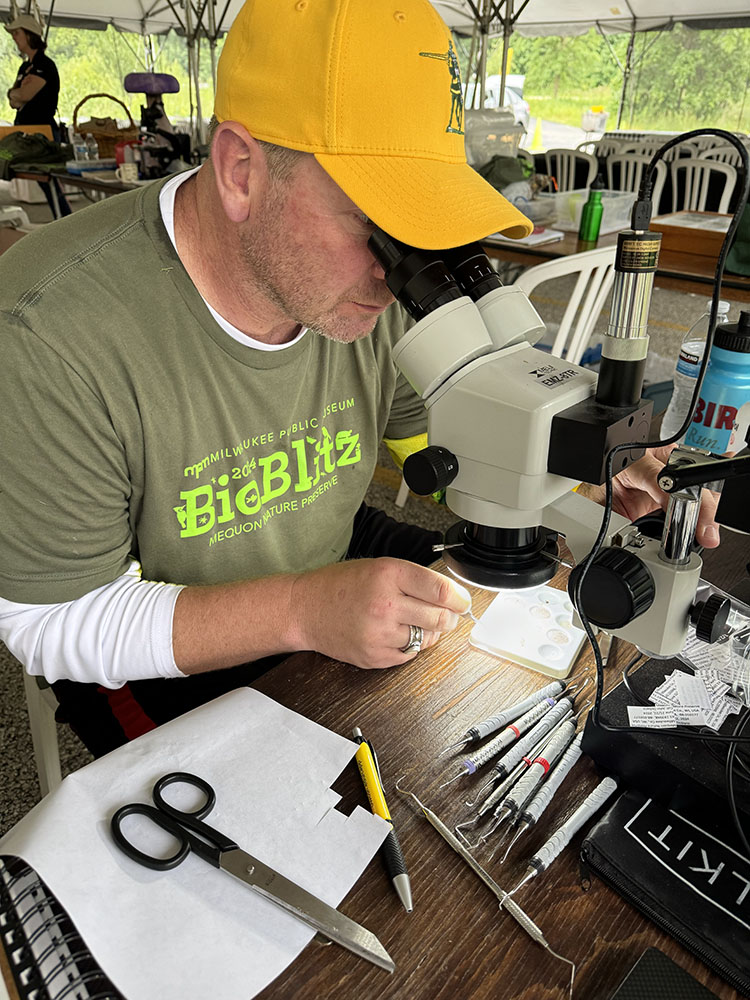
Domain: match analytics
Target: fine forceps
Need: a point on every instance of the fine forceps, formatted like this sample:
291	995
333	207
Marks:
193	834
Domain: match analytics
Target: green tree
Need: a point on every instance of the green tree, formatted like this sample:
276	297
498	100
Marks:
91	62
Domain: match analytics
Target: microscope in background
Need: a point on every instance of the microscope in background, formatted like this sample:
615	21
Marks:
513	430
161	149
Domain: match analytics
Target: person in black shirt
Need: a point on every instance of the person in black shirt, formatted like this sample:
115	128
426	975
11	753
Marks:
37	87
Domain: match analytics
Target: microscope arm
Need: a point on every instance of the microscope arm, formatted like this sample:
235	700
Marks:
640	589
577	518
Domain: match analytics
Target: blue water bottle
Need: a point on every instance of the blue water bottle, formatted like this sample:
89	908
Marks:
722	415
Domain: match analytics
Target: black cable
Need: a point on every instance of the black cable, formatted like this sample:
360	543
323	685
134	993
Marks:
706	733
641	216
629	684
742	768
644	195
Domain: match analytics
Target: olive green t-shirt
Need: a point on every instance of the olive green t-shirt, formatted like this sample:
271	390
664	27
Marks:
133	426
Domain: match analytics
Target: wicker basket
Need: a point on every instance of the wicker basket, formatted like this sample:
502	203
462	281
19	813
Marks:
106	130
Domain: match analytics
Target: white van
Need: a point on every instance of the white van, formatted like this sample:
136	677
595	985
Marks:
514	100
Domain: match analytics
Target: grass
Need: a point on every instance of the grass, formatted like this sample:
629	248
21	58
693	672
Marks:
568	110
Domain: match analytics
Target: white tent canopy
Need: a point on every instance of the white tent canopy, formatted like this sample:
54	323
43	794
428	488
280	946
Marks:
146	17
481	18
534	17
576	17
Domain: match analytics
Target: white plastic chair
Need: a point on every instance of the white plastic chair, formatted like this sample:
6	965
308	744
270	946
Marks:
595	277
695	185
624	173
596	274
561	164
648	146
609	147
705	142
722	154
41	705
13	215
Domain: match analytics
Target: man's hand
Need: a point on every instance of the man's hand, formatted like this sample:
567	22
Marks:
635	492
360	611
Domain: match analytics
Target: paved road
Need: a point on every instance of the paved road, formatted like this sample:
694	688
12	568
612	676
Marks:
555	135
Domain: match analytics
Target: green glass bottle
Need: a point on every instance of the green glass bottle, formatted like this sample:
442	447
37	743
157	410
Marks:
591	216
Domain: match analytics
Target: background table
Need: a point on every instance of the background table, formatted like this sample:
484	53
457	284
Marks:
682	272
83	183
457	944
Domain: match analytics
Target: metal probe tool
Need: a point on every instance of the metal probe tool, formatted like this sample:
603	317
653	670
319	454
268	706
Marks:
522	747
535	774
531	813
506	903
509	714
502	789
527	760
562	837
492	799
503	740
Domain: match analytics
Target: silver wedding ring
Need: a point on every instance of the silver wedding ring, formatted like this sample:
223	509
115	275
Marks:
416	635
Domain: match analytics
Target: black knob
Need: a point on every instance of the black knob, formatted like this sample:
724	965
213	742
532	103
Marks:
710	617
430	470
616	589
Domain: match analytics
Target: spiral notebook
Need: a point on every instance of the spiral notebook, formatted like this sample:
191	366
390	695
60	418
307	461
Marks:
46	958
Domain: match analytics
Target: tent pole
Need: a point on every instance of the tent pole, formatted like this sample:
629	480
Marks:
194	70
507	32
483	36
49	20
470	64
212	38
627	70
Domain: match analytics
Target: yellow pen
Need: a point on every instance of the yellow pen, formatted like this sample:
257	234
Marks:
367	762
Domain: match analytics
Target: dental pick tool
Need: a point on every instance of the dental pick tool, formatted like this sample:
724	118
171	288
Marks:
506	903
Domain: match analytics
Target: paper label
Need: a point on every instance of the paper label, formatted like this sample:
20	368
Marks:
664	716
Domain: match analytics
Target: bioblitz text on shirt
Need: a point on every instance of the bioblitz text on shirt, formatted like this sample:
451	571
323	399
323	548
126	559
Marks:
294	476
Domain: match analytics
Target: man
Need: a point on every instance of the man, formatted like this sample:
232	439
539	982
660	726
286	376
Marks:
197	376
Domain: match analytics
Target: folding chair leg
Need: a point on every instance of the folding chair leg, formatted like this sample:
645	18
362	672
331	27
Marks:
40	705
403	494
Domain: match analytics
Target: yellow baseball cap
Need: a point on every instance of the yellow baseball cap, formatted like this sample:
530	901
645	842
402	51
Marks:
372	88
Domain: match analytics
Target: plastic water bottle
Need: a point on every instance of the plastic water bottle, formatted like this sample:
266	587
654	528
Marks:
80	150
92	147
687	368
721	417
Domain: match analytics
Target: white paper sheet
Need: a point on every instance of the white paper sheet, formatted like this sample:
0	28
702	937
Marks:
195	932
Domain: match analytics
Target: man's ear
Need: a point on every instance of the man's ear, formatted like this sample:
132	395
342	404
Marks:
240	169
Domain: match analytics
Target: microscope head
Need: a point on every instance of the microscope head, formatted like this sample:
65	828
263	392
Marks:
492	400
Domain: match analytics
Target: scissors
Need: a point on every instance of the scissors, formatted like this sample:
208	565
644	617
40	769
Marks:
193	834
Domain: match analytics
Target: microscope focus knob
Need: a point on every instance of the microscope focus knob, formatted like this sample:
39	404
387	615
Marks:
710	617
430	469
617	588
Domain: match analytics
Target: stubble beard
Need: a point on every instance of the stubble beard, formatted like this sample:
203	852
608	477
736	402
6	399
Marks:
266	253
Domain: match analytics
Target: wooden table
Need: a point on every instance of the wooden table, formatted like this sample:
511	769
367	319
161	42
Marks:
679	271
457	944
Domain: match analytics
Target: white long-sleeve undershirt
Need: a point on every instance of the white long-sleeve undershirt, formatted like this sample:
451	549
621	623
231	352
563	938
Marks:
117	633
122	631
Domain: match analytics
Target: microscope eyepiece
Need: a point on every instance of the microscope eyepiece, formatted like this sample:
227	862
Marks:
471	268
418	278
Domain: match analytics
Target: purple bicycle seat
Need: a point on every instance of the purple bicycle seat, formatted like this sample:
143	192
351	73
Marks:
151	83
